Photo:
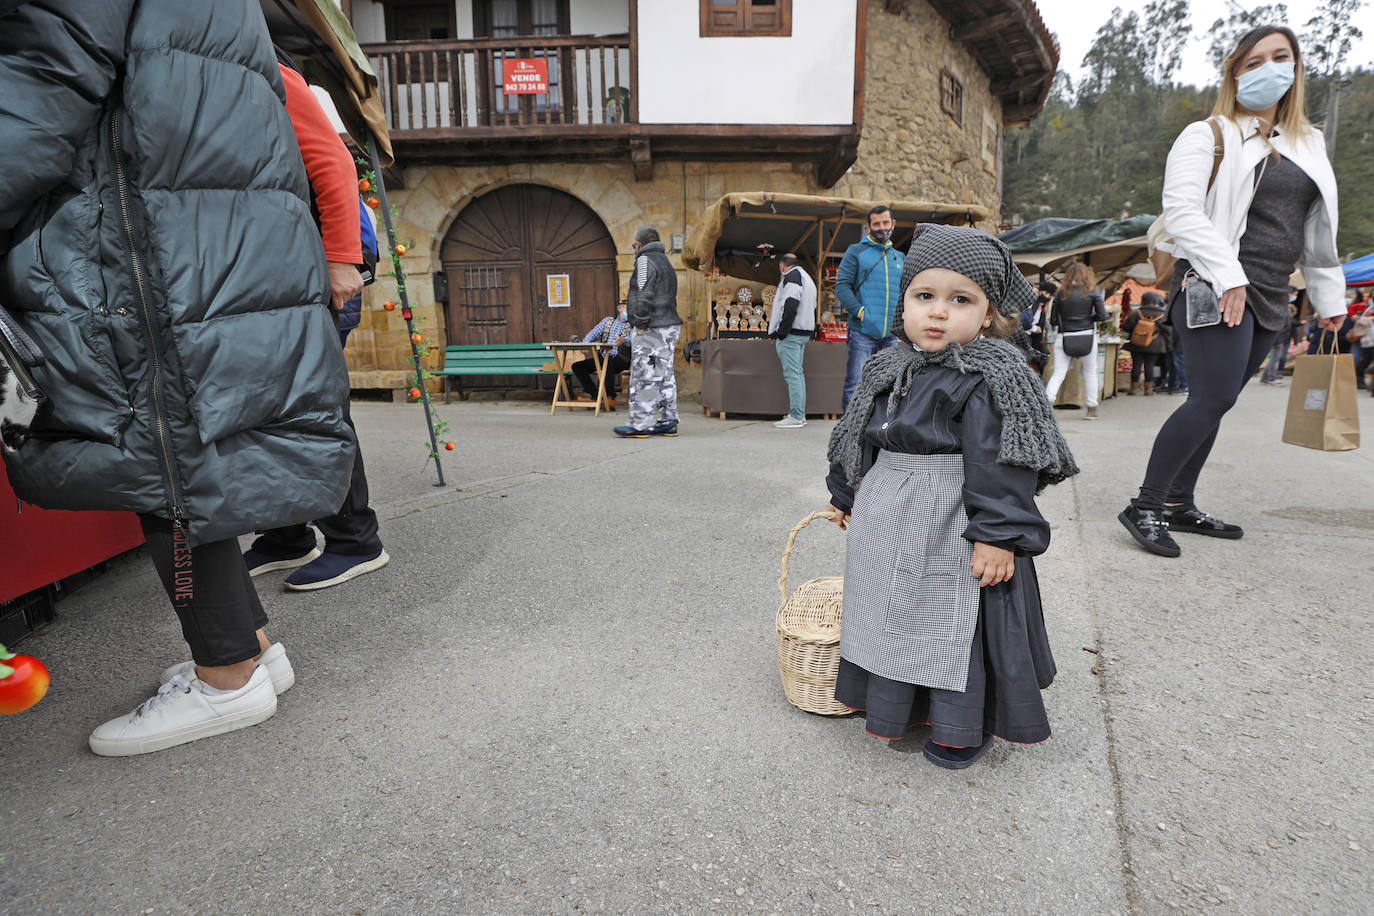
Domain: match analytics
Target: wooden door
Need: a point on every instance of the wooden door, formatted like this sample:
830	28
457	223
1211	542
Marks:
499	253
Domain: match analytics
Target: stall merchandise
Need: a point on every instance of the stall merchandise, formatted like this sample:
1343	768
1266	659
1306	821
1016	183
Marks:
740	237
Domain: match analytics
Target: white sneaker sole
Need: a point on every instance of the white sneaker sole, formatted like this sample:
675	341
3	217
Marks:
361	569
132	747
285	564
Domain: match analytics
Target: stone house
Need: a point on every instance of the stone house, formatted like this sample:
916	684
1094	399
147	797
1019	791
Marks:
643	112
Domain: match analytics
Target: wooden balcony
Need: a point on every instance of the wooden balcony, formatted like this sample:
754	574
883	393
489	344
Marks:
445	103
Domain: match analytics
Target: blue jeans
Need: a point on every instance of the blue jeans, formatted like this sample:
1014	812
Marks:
861	347
791	349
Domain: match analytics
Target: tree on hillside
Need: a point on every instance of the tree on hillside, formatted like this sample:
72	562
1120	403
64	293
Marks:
1226	32
1165	31
1329	35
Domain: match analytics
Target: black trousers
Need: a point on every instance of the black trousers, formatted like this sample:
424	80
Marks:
585	370
1220	361
352	531
219	608
1144	363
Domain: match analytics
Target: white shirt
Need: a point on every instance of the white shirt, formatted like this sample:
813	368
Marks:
1207	225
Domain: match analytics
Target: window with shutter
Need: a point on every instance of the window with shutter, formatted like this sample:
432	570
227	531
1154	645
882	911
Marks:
758	18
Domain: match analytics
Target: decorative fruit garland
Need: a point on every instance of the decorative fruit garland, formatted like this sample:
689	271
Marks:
419	347
23	681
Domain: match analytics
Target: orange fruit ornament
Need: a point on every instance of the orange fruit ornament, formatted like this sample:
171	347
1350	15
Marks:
364	184
373	202
400	249
389	305
416	339
448	446
415	394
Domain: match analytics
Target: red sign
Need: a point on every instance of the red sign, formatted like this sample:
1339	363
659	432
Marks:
526	76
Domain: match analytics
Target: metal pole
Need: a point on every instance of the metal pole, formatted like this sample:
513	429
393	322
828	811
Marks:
405	306
1333	112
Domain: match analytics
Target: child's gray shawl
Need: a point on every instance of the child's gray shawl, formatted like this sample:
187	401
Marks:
1030	435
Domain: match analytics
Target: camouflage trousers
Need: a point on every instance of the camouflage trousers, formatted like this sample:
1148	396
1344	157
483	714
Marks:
653	386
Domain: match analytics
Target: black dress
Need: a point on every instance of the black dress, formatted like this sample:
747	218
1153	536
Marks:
1010	660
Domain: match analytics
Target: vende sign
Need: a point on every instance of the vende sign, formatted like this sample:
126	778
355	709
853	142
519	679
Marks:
524	76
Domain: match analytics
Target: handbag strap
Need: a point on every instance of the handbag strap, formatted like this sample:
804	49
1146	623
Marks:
1218	150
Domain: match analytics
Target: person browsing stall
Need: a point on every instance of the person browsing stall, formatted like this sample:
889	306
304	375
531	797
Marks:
652	308
935	465
867	286
791	324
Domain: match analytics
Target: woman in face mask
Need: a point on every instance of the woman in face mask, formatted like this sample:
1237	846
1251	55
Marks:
1248	196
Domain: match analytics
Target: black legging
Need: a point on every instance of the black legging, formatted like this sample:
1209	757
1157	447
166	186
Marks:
1144	363
221	618
1220	361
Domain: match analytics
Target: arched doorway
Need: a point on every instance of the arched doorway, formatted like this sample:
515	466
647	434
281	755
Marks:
500	251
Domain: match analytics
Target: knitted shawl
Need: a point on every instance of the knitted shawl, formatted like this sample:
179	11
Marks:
1030	435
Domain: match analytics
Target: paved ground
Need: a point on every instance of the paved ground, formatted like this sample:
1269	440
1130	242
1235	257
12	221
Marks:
561	696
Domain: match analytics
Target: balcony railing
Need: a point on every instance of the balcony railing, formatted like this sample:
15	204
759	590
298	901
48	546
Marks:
443	87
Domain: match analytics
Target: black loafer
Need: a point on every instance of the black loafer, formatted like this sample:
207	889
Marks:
955	758
1194	521
1150	530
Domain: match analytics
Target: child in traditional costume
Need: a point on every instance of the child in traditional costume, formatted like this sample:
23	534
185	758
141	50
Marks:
947	439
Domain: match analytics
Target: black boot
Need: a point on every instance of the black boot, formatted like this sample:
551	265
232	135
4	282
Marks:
1150	530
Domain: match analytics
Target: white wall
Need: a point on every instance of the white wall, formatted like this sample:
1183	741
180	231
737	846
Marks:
599	17
805	79
369	22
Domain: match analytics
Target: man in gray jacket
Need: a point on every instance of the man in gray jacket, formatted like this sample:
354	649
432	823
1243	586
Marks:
656	325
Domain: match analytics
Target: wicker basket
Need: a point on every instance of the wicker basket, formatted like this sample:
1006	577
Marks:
808	626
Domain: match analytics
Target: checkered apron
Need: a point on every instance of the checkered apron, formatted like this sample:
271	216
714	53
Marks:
910	601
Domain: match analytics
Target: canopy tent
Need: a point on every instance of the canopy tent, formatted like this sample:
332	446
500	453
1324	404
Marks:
1109	247
742	234
319	37
1359	272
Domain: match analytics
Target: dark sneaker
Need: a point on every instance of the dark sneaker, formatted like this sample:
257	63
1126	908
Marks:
1194	521
333	568
629	432
1150	530
955	758
666	428
259	563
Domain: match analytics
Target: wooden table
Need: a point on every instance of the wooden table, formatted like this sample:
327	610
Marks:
561	395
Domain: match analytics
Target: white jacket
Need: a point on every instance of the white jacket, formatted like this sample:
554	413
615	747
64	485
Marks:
1207	226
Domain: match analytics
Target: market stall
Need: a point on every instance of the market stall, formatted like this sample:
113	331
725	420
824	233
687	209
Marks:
1111	248
737	242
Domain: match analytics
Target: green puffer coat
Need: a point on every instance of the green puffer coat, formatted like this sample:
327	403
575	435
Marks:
157	243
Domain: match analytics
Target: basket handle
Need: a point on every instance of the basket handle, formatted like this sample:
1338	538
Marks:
792	542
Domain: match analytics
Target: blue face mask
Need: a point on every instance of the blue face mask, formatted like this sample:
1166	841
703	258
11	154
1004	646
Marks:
1263	86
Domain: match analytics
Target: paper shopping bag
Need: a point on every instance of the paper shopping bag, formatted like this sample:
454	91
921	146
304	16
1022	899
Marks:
1321	404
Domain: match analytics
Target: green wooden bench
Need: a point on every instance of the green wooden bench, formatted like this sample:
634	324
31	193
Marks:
492	359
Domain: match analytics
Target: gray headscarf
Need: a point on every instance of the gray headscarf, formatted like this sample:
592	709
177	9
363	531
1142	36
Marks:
1030	435
973	253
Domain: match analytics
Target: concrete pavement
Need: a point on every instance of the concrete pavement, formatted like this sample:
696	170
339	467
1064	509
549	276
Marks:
562	696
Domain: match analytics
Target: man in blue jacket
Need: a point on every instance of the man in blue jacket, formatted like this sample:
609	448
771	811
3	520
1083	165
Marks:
868	285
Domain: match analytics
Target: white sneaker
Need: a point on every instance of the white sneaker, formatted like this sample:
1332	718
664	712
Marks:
273	659
181	712
791	422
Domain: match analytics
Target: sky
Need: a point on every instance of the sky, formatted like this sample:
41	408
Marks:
1076	29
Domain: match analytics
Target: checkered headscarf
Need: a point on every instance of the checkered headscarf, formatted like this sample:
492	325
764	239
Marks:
973	253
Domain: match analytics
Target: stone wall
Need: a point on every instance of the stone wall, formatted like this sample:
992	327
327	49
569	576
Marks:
433	196
910	149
